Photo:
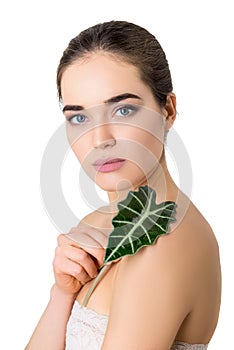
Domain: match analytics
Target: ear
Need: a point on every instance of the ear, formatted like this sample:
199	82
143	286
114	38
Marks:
169	110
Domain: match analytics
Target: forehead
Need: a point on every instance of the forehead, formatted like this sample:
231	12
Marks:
93	80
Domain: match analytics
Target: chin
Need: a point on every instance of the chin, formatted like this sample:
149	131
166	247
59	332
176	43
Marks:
112	183
112	186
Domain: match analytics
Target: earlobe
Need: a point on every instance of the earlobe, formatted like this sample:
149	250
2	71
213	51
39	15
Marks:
170	110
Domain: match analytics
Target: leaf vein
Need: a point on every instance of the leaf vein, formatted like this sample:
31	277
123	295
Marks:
128	208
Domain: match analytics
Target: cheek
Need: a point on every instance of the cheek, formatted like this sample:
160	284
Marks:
151	143
81	150
78	141
144	145
147	131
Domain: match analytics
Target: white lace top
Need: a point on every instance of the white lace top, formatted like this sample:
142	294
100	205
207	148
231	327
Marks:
86	329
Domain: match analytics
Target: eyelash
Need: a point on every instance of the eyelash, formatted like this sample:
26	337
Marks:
75	116
131	108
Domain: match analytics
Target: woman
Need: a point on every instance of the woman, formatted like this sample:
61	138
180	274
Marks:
115	87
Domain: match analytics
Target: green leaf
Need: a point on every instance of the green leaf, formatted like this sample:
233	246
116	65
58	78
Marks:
139	222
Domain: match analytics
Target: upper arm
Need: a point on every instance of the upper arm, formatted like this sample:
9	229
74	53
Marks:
150	300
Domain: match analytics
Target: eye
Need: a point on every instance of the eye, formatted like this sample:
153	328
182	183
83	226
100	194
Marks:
125	111
77	119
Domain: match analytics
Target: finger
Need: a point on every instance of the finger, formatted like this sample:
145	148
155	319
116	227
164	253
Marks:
63	239
84	237
80	256
70	268
91	240
97	253
81	235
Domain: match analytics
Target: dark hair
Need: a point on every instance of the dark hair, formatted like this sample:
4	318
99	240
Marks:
129	41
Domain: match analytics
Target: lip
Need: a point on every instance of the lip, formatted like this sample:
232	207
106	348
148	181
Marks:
108	164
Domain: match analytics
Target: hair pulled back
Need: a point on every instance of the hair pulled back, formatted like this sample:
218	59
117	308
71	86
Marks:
131	43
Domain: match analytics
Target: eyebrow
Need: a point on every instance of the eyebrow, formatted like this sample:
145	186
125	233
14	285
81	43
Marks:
113	99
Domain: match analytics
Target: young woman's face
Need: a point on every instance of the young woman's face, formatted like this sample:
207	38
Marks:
114	125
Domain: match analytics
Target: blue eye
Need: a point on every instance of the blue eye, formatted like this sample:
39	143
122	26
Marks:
125	111
77	119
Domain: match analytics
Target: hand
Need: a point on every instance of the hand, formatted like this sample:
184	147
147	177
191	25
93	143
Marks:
78	256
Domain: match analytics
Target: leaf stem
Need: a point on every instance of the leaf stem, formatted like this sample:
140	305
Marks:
93	285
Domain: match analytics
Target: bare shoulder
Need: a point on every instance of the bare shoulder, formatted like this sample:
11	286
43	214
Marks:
174	285
190	248
100	218
192	238
167	283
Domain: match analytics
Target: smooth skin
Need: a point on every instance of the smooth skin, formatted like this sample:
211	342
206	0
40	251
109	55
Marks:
168	291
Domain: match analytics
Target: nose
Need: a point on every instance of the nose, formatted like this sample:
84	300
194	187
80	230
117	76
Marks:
103	137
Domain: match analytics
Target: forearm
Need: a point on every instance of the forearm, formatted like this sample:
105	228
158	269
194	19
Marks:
51	330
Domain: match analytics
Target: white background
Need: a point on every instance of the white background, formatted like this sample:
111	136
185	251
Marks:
197	38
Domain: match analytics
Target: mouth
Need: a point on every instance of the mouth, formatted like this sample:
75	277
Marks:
108	165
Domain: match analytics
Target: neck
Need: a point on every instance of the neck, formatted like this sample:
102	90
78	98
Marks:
159	179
